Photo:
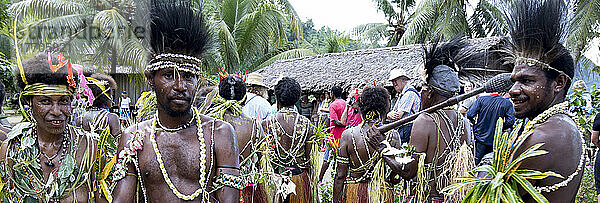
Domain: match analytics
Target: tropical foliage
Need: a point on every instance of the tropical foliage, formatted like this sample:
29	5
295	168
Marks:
504	177
251	33
93	32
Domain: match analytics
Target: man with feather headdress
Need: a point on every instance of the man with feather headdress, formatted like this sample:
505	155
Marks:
188	156
439	137
543	71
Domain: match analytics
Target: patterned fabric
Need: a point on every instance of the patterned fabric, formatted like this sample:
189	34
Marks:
409	101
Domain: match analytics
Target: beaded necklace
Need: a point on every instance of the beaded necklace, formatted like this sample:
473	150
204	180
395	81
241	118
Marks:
181	127
286	158
202	189
25	176
561	108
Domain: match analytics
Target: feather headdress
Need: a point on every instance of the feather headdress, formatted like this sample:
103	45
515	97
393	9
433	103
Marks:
537	28
441	69
178	36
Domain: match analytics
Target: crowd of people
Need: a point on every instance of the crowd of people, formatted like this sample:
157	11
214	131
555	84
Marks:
228	143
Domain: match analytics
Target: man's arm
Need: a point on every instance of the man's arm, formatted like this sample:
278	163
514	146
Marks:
473	111
419	138
125	189
595	137
226	155
341	169
114	125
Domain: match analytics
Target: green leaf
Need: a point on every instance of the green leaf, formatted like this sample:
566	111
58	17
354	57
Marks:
66	167
509	196
526	185
530	152
536	175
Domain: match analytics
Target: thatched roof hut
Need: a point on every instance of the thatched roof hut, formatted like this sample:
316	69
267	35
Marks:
359	68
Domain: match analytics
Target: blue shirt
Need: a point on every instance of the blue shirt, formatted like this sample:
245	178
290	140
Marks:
488	109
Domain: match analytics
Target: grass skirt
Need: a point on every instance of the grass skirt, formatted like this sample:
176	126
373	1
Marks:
254	194
303	189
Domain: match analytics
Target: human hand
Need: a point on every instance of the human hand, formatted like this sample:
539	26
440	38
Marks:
393	115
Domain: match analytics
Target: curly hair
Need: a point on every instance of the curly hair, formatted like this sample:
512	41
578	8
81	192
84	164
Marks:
232	88
337	91
374	99
287	91
37	70
102	100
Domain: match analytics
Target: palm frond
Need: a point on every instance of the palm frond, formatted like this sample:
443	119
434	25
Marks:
49	8
487	20
452	20
228	47
388	9
290	54
584	26
421	22
372	32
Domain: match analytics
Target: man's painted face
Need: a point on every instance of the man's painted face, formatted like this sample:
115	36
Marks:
175	91
532	92
51	113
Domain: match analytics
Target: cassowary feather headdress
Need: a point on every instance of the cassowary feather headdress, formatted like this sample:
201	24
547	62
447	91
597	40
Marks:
178	36
441	70
537	28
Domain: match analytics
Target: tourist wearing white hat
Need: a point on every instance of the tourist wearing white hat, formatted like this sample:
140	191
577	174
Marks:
255	105
408	103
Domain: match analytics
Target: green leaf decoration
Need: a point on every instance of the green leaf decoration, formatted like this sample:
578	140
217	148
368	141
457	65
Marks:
66	167
505	178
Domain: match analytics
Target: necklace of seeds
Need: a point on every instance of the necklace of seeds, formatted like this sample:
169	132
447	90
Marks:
181	127
290	156
161	164
63	146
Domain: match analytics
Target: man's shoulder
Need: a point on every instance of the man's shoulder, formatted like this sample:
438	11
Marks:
141	127
555	129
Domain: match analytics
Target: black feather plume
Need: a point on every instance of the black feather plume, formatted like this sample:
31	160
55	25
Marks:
443	53
537	28
177	28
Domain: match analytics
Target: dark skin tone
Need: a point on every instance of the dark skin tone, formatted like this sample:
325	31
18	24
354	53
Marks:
425	138
287	122
51	114
244	129
112	121
533	93
181	149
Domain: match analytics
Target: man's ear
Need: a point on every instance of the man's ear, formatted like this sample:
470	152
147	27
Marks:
561	83
149	79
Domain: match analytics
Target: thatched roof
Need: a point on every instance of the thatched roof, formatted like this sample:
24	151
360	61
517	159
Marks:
359	68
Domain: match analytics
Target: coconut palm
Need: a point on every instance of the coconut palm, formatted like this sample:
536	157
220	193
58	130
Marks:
584	26
394	29
250	34
97	32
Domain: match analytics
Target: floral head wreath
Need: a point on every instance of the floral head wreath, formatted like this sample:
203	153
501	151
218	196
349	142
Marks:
223	74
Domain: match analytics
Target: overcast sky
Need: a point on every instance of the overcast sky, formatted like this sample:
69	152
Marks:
342	15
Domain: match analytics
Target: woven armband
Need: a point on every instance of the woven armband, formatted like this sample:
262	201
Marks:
229	180
343	160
